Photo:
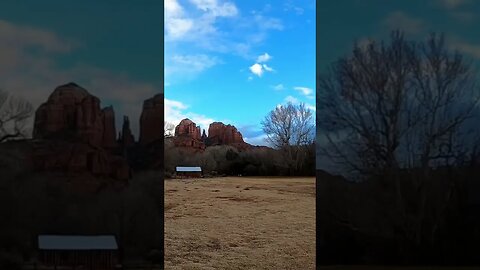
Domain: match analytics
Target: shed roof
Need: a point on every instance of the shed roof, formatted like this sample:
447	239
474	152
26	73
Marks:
77	242
189	169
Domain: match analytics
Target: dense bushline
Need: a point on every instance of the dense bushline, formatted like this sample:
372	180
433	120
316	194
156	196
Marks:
227	160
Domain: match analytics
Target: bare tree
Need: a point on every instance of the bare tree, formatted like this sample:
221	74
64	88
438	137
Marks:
169	129
397	105
290	128
401	105
14	113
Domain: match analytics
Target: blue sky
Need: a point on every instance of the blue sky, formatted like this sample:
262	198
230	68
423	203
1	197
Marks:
110	47
234	61
340	23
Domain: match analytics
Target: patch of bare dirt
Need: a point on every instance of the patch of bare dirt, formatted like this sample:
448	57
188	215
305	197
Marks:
240	223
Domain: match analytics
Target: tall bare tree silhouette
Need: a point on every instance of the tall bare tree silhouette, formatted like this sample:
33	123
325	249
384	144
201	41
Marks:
396	107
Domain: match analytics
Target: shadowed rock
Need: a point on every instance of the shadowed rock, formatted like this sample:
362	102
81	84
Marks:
72	113
151	120
187	134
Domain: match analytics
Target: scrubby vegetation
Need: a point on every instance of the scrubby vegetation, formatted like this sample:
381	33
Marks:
227	160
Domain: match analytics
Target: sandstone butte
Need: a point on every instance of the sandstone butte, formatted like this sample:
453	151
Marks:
72	112
187	134
151	120
74	134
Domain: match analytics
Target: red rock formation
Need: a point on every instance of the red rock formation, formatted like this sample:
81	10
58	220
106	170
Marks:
73	134
187	134
151	120
126	138
71	112
219	133
109	128
188	128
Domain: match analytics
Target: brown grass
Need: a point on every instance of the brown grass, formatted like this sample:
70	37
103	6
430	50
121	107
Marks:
240	223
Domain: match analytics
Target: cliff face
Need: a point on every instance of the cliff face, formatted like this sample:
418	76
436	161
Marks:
74	135
72	112
151	120
188	135
219	133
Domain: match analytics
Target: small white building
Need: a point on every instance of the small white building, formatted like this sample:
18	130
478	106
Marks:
187	172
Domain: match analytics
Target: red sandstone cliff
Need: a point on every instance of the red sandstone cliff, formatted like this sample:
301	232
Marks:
151	120
187	134
219	133
74	135
72	112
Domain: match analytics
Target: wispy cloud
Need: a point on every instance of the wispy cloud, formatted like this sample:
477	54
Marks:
267	23
465	47
253	134
263	58
307	92
21	37
182	26
176	111
278	87
193	63
257	140
296	101
193	29
404	22
226	9
33	74
292	100
290	6
452	4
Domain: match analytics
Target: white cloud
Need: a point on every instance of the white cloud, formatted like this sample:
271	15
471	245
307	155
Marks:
197	22
256	69
182	67
304	90
267	23
176	111
291	99
267	68
183	26
226	9
197	63
279	87
263	58
289	6
296	101
311	107
177	25
258	140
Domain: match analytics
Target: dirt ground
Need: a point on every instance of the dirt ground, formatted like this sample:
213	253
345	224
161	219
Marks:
240	223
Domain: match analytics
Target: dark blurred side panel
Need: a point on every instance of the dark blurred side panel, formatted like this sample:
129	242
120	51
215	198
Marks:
81	143
398	93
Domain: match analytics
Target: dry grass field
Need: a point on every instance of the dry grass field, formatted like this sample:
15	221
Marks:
240	223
